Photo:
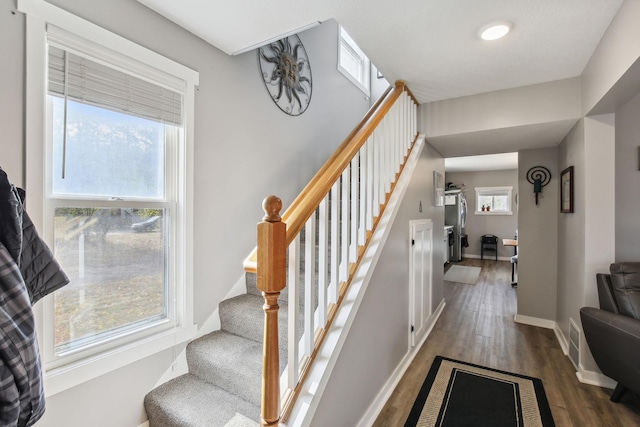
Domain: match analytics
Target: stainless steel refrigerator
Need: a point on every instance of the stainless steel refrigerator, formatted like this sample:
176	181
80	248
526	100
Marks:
455	214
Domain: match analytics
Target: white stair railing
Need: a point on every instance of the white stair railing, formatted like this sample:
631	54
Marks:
327	229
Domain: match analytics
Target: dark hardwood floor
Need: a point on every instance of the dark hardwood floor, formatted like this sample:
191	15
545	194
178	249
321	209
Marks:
477	326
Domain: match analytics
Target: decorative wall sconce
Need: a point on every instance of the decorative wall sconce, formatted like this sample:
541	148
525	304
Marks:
539	176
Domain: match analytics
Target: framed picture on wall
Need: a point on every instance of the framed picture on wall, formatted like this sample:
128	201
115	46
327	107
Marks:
438	189
566	190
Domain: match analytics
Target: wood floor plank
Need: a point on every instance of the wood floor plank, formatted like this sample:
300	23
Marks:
477	326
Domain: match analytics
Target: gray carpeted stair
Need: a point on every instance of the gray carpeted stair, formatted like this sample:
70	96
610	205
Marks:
223	385
187	401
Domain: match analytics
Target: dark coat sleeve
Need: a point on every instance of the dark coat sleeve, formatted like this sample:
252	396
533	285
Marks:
41	272
11	209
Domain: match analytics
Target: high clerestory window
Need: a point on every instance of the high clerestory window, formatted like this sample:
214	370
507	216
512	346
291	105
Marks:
112	169
353	63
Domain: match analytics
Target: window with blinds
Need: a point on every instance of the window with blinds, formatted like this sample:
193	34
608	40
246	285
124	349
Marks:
89	82
114	134
109	172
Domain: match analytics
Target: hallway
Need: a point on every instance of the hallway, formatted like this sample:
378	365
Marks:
477	326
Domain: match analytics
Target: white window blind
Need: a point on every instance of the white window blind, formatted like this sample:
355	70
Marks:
84	80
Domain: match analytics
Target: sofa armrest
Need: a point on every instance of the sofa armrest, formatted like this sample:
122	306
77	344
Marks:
614	341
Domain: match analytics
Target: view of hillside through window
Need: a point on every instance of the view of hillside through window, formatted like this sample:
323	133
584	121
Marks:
115	256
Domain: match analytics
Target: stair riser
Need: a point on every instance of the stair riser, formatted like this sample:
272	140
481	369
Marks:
244	316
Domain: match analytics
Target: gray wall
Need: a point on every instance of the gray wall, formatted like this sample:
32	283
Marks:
11	88
627	181
503	226
379	334
245	149
538	237
571	236
586	236
378	86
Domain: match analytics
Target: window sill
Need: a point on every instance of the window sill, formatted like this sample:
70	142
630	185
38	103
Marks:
355	81
60	379
494	213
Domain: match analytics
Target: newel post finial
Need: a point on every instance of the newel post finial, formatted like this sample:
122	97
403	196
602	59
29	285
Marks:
272	206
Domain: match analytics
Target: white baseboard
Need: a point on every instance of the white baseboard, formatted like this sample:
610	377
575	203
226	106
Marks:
378	403
490	258
535	321
595	378
144	424
562	340
584	376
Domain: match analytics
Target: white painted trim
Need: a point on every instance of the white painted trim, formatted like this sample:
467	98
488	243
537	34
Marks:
39	15
65	377
493	213
314	386
61	18
595	378
144	424
562	340
535	321
381	399
364	86
490	258
416	324
584	376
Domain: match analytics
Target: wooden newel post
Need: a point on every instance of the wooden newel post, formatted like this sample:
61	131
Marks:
271	271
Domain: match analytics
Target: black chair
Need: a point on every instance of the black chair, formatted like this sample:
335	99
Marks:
488	243
613	331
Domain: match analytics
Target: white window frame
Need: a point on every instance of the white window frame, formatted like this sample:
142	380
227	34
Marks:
363	81
59	377
493	191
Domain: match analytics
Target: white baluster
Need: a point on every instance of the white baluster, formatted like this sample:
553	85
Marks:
293	283
370	181
335	242
344	221
309	283
376	170
388	170
362	199
323	264
353	209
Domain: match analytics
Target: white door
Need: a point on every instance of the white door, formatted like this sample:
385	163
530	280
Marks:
421	262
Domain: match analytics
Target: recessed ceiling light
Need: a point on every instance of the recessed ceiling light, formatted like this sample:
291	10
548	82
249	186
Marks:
495	30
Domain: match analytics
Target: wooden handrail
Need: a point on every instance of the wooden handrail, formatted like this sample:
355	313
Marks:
308	200
275	235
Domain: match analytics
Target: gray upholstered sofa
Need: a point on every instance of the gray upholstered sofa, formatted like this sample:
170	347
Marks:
613	331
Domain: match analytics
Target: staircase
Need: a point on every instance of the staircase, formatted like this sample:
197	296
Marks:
223	385
314	250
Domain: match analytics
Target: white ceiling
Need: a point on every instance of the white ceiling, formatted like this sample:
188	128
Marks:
487	162
433	45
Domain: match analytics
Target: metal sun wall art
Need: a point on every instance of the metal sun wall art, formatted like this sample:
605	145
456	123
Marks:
286	72
539	176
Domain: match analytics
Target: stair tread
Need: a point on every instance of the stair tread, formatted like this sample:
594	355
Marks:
187	401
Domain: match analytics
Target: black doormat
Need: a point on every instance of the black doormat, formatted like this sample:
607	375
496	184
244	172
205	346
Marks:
459	394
